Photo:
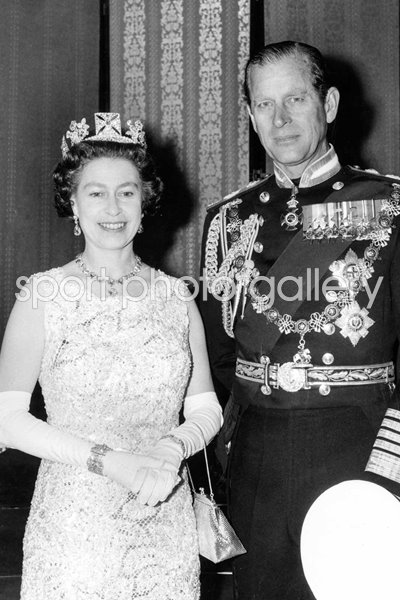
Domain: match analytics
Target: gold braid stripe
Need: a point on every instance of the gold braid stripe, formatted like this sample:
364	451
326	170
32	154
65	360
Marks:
211	253
222	280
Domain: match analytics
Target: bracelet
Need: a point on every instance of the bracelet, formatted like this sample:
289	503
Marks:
95	460
177	440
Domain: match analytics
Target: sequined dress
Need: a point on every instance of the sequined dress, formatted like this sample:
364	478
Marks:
115	375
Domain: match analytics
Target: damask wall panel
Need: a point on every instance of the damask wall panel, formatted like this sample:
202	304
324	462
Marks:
361	40
179	68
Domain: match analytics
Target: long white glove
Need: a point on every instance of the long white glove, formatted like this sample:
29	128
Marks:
203	419
21	430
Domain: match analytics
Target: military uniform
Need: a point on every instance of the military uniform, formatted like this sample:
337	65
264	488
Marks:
306	344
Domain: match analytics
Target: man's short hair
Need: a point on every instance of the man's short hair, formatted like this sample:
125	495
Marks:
272	53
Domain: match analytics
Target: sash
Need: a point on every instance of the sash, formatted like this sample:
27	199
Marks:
300	255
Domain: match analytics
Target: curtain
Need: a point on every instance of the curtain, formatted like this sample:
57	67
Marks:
178	65
360	39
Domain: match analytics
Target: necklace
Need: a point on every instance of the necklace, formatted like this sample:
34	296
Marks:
111	283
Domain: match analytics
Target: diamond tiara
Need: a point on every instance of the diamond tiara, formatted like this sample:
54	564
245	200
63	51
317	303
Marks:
108	129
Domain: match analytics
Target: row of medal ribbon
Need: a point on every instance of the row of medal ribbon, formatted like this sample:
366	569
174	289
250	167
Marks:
350	220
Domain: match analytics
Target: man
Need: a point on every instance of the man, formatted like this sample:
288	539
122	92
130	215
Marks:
303	272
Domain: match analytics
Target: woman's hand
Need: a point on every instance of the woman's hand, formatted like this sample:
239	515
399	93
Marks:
157	478
152	479
155	485
169	448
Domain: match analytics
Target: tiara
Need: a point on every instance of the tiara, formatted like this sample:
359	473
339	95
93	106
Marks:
108	129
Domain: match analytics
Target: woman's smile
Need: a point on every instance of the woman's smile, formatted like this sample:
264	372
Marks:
110	226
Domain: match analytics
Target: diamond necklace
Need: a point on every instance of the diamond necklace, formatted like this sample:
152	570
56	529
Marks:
112	283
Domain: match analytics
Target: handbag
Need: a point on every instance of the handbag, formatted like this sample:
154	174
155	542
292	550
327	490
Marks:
217	538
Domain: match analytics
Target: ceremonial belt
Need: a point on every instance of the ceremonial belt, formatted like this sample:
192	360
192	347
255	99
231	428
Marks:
293	377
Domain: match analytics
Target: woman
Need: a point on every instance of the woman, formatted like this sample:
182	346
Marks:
115	352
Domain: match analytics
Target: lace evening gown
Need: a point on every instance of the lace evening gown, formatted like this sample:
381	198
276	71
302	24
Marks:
115	376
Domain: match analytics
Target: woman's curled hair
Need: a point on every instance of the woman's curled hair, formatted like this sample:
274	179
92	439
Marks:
67	172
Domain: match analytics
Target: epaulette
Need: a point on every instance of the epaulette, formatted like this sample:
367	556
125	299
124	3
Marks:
374	173
250	186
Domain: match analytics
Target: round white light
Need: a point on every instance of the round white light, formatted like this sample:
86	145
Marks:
350	543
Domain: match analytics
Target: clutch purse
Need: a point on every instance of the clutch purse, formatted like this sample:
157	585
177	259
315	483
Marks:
217	538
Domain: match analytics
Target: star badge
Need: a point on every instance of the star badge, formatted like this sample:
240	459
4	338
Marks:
352	272
354	322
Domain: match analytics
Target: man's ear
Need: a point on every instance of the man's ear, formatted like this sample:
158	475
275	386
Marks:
253	122
331	104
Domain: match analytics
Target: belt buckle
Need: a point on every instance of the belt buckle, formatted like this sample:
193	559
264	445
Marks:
291	378
265	388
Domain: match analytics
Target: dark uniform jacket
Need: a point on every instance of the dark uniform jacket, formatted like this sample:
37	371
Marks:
283	457
374	330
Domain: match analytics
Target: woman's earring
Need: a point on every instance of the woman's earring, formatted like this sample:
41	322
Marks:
77	229
140	228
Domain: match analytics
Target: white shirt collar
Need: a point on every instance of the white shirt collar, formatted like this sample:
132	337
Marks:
316	172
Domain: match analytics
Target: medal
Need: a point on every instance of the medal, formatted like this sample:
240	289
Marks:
291	219
369	219
354	322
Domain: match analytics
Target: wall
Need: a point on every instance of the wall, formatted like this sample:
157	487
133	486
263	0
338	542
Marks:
360	39
49	76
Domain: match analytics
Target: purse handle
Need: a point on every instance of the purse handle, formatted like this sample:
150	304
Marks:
207	469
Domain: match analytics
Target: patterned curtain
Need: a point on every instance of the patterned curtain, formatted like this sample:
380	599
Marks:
178	66
361	40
